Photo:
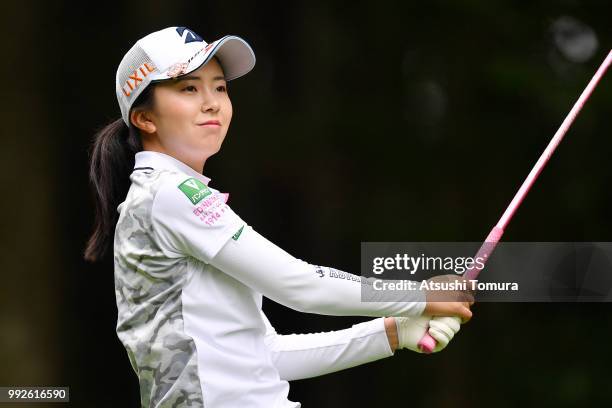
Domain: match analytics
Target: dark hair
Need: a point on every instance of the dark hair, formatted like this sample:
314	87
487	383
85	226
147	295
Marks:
111	163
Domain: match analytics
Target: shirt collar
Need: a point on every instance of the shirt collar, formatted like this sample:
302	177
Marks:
157	161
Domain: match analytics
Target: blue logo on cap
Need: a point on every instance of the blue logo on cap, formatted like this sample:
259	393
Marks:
188	35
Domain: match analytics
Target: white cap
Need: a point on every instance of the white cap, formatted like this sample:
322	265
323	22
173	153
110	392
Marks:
172	52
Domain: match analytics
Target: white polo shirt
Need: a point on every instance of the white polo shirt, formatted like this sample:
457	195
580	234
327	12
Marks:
189	279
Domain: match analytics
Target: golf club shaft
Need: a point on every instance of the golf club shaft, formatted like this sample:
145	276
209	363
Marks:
428	343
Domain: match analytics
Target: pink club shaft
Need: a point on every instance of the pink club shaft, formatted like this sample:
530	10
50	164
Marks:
428	343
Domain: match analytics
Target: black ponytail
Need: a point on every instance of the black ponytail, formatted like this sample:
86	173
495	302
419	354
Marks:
111	163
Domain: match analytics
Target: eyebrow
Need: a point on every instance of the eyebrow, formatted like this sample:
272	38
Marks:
197	78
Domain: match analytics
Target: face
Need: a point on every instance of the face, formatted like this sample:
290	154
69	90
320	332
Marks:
190	116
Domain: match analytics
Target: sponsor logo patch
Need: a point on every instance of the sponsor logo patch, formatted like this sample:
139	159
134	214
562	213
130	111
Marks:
195	190
188	35
137	78
237	234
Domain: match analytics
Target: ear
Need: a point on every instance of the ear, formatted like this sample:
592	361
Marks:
142	120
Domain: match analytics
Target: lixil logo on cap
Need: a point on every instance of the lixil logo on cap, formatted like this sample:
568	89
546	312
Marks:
135	79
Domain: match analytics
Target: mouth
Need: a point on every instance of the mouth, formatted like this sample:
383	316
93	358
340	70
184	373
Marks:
210	123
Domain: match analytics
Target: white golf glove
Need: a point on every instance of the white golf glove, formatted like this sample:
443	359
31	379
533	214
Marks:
410	330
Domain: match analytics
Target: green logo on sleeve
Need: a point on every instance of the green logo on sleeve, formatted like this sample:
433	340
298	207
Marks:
237	234
194	189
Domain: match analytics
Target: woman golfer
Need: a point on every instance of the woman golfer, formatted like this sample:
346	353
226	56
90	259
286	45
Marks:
190	273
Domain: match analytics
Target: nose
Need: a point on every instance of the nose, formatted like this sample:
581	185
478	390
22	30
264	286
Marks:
210	102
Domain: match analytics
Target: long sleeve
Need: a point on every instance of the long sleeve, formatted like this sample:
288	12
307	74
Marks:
258	263
268	269
298	356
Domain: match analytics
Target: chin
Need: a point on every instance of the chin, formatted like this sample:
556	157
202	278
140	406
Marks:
215	149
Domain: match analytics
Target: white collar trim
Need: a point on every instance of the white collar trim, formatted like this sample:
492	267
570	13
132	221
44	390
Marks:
157	160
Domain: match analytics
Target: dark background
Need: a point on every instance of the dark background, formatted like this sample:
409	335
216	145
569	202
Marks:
362	121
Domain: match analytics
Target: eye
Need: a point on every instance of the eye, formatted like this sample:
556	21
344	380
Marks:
222	88
190	88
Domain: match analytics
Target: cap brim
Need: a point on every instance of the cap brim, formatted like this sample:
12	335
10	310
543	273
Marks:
235	55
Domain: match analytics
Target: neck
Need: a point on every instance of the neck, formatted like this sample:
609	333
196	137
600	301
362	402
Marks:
196	164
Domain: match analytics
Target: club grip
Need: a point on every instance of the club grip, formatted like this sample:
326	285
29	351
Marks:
427	344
